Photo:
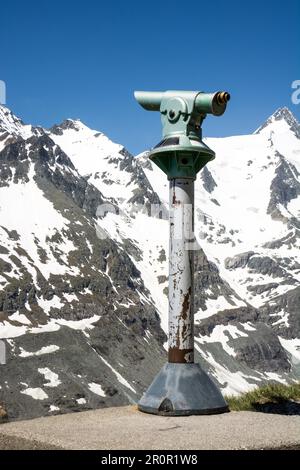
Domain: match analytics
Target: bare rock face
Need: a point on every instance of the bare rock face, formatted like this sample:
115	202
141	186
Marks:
258	348
207	276
238	261
262	351
209	183
283	314
284	188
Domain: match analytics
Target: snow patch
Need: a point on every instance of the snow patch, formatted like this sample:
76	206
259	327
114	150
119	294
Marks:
97	389
81	401
53	380
44	350
222	334
35	393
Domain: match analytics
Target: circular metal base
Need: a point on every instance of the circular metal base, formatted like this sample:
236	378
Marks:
182	390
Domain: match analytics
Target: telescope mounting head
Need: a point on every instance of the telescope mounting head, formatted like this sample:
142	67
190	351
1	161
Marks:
181	152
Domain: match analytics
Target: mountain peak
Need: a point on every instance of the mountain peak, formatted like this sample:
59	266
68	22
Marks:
67	124
12	127
282	114
8	121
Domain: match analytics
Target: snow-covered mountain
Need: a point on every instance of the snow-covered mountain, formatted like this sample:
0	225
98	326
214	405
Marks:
84	316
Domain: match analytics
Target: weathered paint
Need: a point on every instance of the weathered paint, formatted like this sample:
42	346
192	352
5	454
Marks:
181	271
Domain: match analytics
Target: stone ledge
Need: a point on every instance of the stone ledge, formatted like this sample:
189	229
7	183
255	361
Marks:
126	428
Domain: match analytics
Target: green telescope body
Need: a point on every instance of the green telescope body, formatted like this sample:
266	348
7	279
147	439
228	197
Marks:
203	103
182	153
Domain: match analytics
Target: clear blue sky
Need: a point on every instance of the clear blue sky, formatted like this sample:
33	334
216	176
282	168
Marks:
84	59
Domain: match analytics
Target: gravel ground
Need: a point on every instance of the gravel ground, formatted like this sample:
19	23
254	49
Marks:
127	428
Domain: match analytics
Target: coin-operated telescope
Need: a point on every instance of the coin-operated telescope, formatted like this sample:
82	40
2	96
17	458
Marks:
182	387
181	152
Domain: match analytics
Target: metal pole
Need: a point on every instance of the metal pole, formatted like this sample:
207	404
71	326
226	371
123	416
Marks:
181	271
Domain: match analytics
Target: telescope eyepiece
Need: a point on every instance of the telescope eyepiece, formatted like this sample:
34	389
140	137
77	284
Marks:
222	97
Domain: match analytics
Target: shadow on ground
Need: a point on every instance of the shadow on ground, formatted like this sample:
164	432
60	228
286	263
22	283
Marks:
284	407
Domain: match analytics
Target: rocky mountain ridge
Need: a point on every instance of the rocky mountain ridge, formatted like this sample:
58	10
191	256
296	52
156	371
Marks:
84	318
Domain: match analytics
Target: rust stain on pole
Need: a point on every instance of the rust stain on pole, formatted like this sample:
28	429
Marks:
186	304
180	356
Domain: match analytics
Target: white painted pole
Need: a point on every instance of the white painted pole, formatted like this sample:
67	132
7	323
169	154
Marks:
181	271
